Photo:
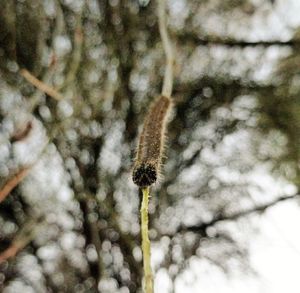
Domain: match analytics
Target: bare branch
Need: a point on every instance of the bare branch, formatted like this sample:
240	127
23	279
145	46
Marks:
41	85
23	238
13	182
17	178
228	42
76	55
220	218
22	133
10	252
94	235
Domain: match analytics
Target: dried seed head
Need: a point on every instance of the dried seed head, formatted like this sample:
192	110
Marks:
151	143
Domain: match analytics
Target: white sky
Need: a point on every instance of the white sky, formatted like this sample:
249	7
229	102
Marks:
274	255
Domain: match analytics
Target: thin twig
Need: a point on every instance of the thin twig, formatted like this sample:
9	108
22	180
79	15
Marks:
16	179
22	132
90	201
10	252
167	45
13	182
231	217
41	85
196	40
23	238
76	55
146	247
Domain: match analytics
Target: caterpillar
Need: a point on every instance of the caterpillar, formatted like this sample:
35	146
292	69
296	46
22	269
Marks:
151	143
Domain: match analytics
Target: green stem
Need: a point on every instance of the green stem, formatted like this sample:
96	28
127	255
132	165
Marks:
146	248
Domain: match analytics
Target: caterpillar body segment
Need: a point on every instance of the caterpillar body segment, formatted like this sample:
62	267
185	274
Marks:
151	143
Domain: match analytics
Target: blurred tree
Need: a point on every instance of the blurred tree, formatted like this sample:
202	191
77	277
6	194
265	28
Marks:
68	137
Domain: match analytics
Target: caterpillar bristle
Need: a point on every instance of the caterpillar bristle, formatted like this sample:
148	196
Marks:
151	144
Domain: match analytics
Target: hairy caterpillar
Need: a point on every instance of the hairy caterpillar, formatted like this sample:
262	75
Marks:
151	143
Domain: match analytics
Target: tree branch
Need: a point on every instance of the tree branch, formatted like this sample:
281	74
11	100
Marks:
13	182
229	42
41	85
23	238
11	251
220	218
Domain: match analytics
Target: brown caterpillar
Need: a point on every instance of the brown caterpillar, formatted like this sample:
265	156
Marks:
151	143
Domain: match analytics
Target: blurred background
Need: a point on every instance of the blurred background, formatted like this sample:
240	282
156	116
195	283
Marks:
224	217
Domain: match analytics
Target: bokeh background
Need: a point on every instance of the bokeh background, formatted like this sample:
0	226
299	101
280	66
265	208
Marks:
224	217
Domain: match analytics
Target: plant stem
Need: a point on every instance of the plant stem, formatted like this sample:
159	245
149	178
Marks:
167	45
146	247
